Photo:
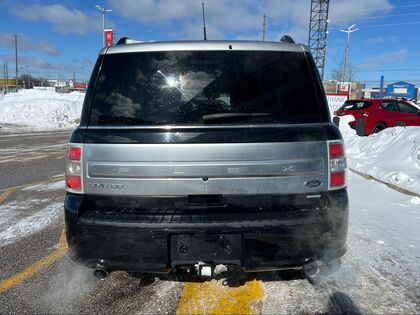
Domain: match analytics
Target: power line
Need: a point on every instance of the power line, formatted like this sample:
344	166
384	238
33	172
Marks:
381	25
381	9
377	17
387	70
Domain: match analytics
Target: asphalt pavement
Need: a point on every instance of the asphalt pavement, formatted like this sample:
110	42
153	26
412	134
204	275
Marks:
28	157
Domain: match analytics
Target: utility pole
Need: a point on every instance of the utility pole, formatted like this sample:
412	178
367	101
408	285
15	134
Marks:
16	59
4	77
7	77
349	30
103	11
264	26
74	77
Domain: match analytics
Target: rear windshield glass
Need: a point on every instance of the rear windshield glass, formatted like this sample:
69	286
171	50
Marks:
354	105
205	87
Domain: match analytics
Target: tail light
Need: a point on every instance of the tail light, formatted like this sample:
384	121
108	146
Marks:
74	169
338	164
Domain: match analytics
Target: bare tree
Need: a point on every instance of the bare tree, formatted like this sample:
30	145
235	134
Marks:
337	72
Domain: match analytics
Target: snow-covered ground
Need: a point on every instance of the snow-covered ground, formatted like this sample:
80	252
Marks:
41	110
392	156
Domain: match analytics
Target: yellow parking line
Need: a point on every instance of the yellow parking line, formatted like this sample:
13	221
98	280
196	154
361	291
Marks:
6	193
59	252
213	298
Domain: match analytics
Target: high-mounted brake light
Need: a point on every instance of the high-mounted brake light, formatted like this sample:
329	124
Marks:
74	169
338	164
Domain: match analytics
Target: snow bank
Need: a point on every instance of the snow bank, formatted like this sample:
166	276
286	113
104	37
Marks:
392	156
41	110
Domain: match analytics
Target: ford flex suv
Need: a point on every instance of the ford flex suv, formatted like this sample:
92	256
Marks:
205	157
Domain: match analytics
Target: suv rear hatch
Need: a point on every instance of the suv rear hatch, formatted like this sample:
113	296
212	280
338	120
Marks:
185	123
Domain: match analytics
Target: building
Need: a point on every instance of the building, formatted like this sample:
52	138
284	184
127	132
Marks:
374	92
402	89
333	87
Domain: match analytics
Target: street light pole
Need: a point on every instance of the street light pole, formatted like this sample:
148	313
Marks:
103	11
346	58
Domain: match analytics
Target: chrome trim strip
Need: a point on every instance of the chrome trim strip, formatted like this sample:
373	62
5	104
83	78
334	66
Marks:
222	45
170	127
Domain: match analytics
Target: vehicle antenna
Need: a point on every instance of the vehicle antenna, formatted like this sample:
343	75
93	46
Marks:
204	22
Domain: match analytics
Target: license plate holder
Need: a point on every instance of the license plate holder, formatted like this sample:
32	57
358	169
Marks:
211	248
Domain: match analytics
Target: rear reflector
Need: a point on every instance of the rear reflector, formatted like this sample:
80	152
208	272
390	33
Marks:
74	182
338	179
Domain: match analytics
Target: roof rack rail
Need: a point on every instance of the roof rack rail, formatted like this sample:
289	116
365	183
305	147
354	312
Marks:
287	39
126	40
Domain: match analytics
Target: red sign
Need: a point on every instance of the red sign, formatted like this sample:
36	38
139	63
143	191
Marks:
109	36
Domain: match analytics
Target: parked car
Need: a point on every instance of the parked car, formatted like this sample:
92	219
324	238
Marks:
374	115
206	157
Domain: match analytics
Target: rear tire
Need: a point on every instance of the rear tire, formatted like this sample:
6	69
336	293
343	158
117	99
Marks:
379	127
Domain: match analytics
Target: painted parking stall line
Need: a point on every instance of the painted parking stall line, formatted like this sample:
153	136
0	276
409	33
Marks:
43	263
212	297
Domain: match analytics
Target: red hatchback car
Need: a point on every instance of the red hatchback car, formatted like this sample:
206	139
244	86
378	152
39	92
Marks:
375	115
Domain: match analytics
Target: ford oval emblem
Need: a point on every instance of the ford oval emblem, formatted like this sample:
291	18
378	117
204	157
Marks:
313	183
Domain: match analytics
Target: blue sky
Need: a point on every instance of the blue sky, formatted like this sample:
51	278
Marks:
56	38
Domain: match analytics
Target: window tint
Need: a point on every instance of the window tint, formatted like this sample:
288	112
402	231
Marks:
162	88
406	108
352	105
389	105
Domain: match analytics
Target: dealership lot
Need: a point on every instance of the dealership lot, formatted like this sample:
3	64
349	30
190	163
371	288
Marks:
379	273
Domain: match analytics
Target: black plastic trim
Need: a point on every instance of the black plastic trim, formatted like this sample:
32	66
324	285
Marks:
87	104
321	132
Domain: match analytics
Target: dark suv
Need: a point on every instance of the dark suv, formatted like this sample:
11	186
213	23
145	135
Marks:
205	157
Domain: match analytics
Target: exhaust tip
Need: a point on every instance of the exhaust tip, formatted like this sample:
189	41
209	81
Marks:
311	270
101	273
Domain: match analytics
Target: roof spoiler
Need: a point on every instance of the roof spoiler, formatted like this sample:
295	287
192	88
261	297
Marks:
287	39
126	40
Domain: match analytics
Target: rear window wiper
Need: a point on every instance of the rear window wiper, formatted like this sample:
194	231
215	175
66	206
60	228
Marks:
122	120
232	117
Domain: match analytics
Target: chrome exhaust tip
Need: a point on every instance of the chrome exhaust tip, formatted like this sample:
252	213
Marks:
101	272
311	270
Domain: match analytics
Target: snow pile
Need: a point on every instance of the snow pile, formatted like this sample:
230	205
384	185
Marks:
392	156
41	110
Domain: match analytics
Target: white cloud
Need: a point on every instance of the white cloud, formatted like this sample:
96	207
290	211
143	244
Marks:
343	12
48	49
384	58
24	44
40	67
66	21
244	18
375	40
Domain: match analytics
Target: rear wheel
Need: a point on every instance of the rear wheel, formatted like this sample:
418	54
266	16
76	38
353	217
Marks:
379	127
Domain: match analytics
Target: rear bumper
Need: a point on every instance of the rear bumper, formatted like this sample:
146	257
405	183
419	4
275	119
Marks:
149	243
